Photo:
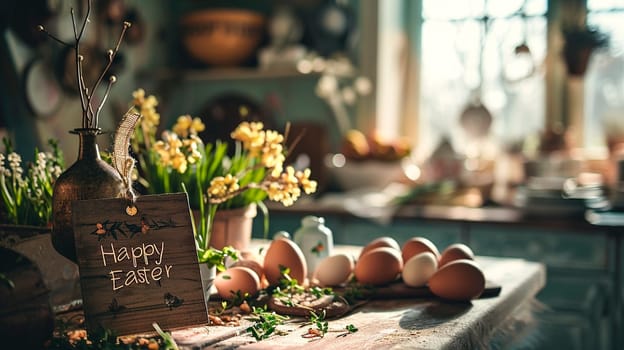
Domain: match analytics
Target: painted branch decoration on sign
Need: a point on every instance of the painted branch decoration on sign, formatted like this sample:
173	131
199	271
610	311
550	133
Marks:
172	301
126	229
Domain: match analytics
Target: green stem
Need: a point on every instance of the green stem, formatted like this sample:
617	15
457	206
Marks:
212	210
202	210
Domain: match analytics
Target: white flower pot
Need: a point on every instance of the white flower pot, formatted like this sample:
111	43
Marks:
208	274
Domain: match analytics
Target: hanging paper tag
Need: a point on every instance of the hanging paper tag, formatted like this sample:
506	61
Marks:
140	269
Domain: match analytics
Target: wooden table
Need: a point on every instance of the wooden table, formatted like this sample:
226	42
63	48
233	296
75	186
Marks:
411	323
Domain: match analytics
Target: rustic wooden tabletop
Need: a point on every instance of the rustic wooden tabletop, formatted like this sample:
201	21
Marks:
404	323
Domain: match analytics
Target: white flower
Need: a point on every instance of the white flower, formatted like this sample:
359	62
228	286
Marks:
327	86
56	171
363	85
15	160
348	95
41	160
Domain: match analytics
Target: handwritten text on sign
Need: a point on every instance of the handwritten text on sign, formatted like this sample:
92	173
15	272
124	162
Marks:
141	257
136	270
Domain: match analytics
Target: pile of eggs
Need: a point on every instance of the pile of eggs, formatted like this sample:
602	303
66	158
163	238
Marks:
251	273
451	275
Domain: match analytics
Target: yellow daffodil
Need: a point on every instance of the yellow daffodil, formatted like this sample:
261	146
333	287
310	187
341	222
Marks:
223	186
186	126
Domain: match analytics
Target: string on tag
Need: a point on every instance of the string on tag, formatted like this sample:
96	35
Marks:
123	162
131	208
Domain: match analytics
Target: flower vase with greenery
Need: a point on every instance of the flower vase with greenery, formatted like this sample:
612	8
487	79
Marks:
214	178
27	191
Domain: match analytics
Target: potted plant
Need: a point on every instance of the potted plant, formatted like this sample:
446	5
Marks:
26	217
27	191
215	181
580	42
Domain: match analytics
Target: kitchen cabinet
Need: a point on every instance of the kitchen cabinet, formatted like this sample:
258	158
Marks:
580	278
580	305
620	307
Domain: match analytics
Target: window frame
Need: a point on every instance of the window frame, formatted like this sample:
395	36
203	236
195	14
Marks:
558	103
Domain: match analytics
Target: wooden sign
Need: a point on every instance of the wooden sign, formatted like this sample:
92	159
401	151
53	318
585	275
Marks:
140	269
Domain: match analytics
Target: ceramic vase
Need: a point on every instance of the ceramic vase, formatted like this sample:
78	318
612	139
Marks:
233	227
88	178
315	240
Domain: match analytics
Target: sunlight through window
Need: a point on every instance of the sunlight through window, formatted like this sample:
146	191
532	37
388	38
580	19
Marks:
485	53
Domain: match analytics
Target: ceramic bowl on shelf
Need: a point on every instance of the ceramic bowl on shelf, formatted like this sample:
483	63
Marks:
222	37
359	174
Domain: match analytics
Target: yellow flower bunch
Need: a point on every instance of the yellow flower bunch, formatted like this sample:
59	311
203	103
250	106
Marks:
213	177
146	106
180	148
187	126
279	185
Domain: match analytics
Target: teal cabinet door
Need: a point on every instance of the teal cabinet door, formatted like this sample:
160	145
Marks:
578	297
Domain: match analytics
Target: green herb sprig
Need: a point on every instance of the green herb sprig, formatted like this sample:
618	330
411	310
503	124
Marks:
216	257
349	329
265	323
318	320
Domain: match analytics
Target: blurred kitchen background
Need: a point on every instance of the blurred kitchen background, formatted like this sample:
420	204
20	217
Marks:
492	122
482	95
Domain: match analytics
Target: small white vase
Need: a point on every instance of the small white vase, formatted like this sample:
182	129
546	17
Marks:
208	274
315	240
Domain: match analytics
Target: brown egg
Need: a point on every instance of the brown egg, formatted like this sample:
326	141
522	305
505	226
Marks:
237	279
251	264
381	242
379	266
459	280
283	252
455	252
417	245
249	255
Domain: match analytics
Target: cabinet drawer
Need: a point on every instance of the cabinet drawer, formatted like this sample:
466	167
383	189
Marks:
571	250
577	310
562	330
582	293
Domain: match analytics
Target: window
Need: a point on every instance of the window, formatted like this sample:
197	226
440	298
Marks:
457	50
604	81
481	51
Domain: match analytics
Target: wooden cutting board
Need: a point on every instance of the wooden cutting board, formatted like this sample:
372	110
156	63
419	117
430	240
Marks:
400	290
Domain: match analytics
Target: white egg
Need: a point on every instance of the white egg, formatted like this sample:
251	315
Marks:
419	268
334	270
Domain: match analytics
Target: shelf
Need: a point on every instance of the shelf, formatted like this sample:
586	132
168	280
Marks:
211	74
